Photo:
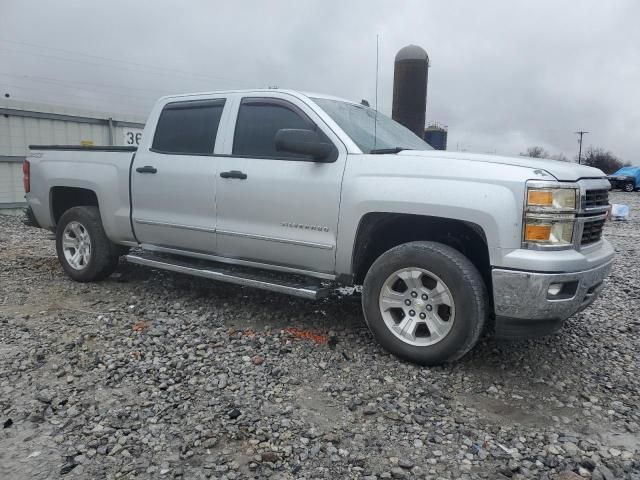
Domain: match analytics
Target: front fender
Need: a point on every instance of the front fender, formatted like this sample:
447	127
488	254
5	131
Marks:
496	208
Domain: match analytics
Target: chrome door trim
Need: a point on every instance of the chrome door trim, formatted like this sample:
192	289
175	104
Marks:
173	225
275	239
238	261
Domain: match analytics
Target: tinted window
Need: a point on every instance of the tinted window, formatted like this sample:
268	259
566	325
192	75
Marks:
188	127
257	124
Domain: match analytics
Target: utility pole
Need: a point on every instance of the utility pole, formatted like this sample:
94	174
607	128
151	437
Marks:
581	133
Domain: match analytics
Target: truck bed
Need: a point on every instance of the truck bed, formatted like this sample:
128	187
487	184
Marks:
60	170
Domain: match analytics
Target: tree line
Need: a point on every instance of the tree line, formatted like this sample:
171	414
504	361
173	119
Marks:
592	156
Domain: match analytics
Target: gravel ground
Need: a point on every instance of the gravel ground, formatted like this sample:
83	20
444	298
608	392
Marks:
157	375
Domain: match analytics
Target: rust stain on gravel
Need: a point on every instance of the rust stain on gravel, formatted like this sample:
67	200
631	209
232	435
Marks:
306	334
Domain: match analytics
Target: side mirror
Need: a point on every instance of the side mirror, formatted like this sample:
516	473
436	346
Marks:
305	142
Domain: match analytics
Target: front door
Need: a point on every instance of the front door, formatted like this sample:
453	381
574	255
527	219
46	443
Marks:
273	207
173	183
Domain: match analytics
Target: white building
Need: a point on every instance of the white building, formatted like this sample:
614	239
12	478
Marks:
23	124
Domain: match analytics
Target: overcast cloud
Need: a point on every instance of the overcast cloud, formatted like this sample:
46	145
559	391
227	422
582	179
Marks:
505	75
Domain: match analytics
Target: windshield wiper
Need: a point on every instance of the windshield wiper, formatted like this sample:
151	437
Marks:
379	151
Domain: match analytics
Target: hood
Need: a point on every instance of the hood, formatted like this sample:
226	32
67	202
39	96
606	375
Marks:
628	171
562	171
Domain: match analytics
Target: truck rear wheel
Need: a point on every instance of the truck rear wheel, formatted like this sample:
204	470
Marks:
629	187
425	302
84	251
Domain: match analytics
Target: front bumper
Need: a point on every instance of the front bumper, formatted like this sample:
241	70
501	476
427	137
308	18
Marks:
524	307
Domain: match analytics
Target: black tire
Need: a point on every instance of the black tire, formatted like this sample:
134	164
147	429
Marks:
104	254
460	276
629	187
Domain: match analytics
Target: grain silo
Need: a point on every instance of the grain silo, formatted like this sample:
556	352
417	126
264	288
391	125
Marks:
436	136
410	88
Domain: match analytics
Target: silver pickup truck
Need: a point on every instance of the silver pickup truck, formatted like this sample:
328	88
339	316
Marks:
300	193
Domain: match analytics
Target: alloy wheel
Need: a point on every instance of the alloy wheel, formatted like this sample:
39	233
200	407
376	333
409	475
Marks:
76	245
417	306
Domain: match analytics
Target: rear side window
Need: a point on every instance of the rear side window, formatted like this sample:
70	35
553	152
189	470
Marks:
188	127
259	119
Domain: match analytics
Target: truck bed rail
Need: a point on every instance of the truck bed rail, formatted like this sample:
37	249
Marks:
98	148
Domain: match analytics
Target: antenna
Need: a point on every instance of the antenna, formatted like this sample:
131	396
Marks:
375	120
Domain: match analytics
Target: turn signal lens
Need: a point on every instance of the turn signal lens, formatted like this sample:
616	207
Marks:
543	198
548	232
552	199
537	233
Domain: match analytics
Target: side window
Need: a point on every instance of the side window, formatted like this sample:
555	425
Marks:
188	127
258	121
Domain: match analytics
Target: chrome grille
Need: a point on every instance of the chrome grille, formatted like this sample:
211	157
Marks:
596	198
592	232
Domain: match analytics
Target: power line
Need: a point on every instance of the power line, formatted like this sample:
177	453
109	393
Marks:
36	78
73	85
99	57
581	133
95	102
57	92
131	69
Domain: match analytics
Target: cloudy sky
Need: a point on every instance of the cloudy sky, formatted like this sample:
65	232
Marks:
504	75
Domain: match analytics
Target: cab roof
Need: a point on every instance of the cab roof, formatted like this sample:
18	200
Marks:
262	90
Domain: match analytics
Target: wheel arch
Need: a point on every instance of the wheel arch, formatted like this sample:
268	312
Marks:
378	232
62	199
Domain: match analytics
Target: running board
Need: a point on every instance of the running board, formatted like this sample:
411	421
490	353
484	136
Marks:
215	272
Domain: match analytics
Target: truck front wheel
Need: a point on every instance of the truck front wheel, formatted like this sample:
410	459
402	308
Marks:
425	302
84	251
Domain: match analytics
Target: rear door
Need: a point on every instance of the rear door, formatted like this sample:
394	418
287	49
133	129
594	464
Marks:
173	183
277	208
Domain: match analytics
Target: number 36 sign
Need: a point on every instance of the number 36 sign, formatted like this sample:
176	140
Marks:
132	136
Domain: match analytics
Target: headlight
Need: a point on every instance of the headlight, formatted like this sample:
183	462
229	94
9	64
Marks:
551	199
549	215
548	231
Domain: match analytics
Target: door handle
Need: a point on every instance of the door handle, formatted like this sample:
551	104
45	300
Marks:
146	169
234	174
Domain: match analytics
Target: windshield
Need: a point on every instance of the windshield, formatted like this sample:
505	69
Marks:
359	122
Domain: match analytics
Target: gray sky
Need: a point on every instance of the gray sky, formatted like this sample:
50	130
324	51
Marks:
504	75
